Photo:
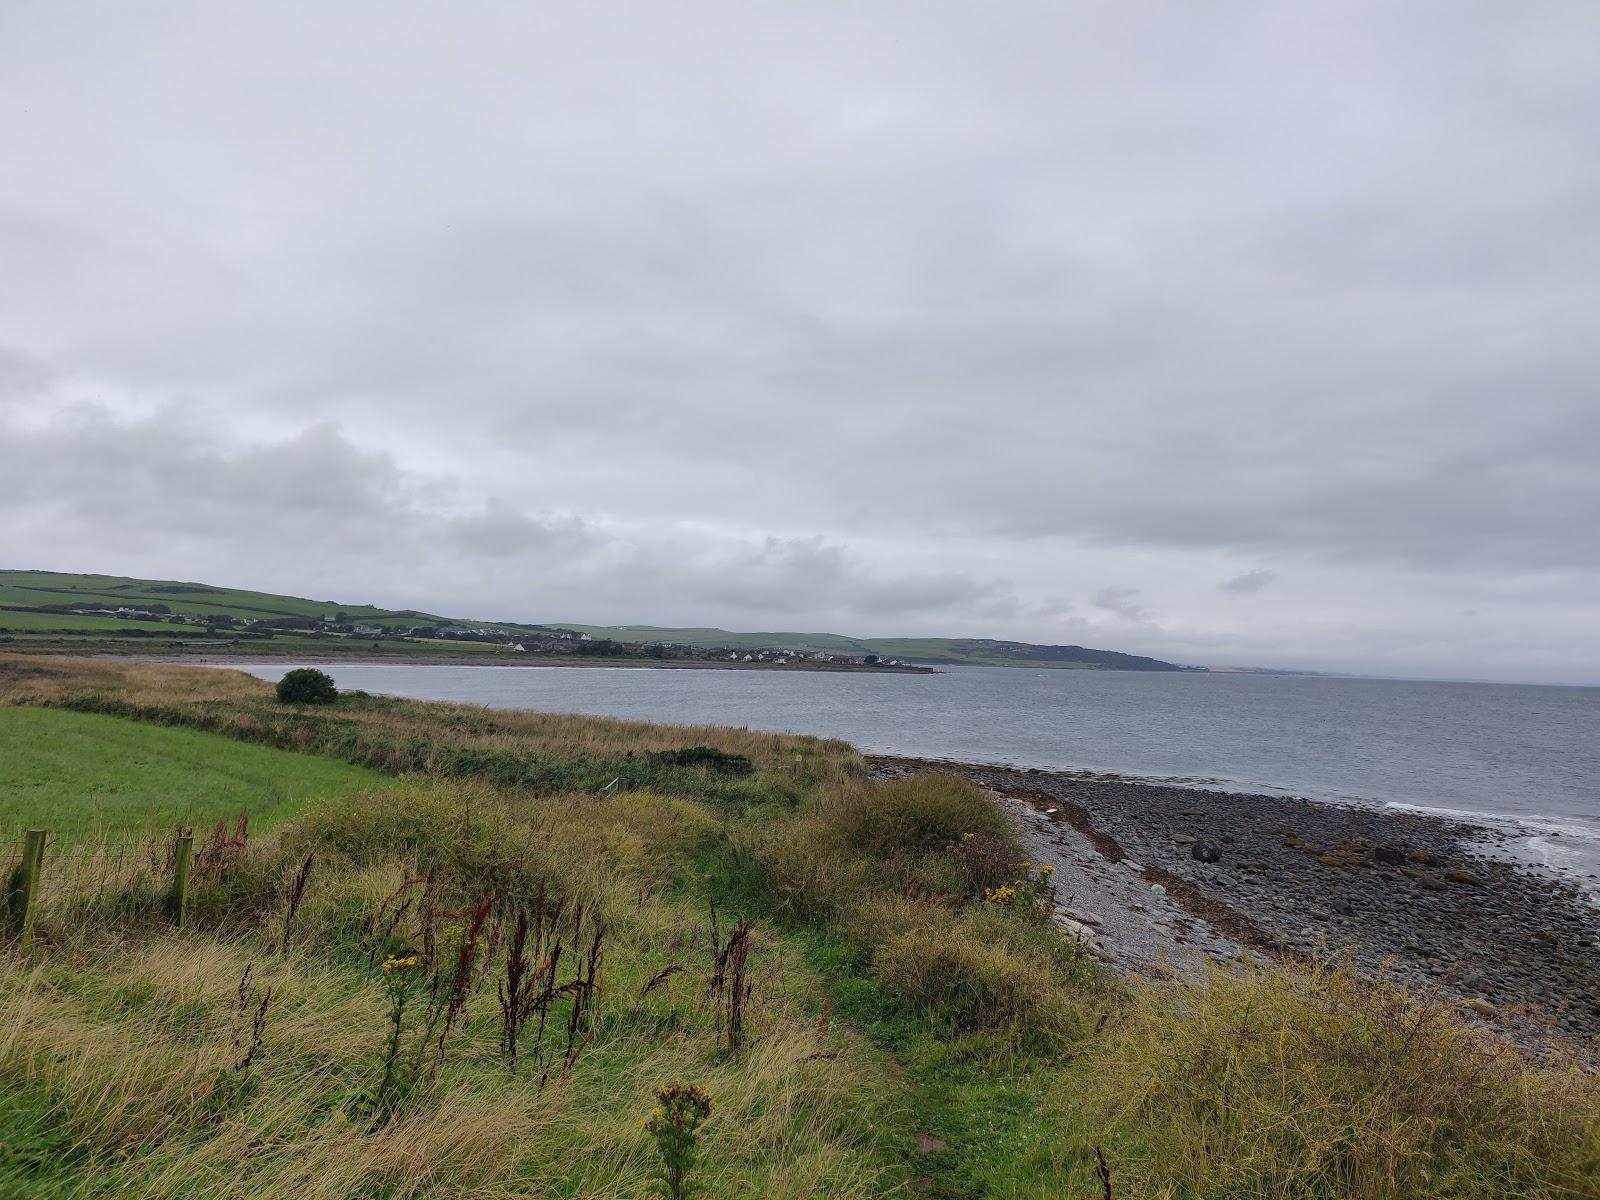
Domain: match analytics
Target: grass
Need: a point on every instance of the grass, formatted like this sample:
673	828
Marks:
36	588
16	621
907	991
81	775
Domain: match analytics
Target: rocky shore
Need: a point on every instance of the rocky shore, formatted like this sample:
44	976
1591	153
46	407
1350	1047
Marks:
1172	877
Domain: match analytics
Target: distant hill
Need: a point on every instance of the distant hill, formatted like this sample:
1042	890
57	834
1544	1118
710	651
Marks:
936	651
41	601
21	591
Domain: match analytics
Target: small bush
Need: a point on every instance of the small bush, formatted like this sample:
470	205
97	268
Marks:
970	984
924	814
307	685
883	838
706	757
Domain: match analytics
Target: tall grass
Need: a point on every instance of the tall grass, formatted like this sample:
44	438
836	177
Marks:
1316	1082
966	1014
123	1034
539	752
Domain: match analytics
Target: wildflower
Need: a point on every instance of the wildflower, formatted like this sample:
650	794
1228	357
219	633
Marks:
967	837
674	1124
396	963
1046	870
1000	895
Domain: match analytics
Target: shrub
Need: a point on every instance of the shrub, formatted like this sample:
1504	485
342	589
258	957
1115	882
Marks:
707	757
923	814
882	838
1288	1082
307	685
970	984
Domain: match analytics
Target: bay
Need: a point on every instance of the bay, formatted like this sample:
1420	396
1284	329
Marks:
1524	757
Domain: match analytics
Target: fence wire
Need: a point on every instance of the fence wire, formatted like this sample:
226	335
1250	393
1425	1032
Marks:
92	868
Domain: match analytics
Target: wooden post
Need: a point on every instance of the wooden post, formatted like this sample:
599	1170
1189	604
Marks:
178	897
22	889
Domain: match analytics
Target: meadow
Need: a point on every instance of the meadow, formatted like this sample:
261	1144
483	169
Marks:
83	776
469	968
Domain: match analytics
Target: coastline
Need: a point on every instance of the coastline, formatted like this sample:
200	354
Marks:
474	660
1420	897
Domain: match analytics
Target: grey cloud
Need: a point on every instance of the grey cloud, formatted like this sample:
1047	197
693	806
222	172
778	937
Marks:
902	314
501	531
1121	601
1250	582
163	483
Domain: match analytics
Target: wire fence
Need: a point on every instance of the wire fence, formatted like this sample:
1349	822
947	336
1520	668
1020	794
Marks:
87	874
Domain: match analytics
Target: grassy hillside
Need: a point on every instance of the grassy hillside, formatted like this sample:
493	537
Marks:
22	593
909	1022
947	651
33	589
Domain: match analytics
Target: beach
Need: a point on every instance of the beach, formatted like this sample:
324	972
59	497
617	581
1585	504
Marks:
1418	897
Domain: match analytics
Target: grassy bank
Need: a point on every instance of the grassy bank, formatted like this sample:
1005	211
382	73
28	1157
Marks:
897	1018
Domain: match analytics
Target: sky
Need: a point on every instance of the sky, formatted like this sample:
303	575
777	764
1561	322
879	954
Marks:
1233	333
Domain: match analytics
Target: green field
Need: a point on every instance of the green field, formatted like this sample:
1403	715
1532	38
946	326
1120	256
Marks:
77	774
18	621
944	651
21	590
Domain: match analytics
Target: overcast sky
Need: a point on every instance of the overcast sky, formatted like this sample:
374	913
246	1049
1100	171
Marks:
1247	333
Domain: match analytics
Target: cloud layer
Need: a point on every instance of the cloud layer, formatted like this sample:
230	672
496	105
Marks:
1032	322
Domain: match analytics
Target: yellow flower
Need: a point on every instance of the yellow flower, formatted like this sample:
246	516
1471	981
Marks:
1000	895
967	837
1046	870
393	963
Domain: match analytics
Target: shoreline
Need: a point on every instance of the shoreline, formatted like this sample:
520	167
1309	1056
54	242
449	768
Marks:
1522	839
468	660
1419	897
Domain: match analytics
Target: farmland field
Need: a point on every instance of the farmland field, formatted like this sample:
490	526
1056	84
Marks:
27	622
77	774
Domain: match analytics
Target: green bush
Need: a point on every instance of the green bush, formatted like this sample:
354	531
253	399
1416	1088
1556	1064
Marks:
706	757
879	838
970	984
307	685
923	814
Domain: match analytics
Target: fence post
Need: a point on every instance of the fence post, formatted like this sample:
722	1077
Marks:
22	889
178	897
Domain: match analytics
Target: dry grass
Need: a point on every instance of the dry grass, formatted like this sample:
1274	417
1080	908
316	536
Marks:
859	838
1289	1082
243	706
119	1035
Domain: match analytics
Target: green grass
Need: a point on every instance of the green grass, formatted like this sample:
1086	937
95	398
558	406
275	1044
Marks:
19	621
78	773
877	919
36	588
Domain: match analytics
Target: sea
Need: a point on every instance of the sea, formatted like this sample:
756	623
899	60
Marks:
1520	759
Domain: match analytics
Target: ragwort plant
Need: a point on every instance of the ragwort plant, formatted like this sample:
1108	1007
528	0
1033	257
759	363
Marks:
675	1123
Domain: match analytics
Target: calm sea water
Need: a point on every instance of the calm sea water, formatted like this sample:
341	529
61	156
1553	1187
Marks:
1515	755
